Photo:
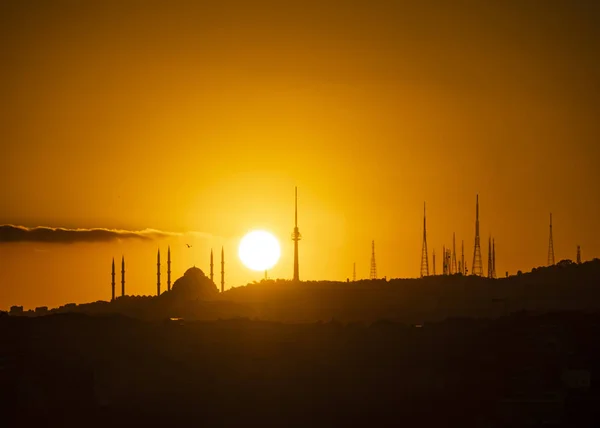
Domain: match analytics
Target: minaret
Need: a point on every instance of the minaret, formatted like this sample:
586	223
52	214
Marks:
490	267
550	246
578	255
123	276
212	275
222	270
462	257
454	269
477	263
494	258
296	237
433	261
158	273
169	268
424	257
113	280
354	272
373	274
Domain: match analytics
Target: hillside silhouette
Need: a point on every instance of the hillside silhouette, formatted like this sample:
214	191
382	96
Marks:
565	286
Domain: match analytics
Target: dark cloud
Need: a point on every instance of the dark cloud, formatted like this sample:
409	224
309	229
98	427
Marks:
11	233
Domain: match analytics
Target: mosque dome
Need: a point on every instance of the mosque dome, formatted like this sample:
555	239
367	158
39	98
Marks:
194	285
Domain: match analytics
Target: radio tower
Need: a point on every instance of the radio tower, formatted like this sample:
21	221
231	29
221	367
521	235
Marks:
169	268
433	261
354	272
550	246
424	258
494	258
578	255
454	268
490	268
296	237
158	273
113	279
373	274
462	257
477	266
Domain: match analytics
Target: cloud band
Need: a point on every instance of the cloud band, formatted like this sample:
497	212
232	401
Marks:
11	233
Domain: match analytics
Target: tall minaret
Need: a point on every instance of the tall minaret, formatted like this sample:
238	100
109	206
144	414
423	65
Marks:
296	237
477	266
123	276
169	268
113	280
158	273
433	262
212	275
222	270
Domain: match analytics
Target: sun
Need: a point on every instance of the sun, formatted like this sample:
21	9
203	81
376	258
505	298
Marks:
259	250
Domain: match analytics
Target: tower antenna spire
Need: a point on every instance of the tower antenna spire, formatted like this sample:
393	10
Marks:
454	268
490	261
550	245
424	257
373	274
296	237
477	266
493	257
462	257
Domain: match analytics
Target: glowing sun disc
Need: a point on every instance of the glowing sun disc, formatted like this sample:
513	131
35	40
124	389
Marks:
259	250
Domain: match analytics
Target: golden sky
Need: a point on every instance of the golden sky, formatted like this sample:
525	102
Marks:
202	116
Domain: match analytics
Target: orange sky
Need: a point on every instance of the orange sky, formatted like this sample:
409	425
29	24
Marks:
203	116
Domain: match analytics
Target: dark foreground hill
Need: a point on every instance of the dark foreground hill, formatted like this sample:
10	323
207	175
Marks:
566	286
521	370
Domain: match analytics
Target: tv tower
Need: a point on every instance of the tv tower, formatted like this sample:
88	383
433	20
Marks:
454	269
211	266
433	261
222	270
112	283
462	257
550	246
424	257
477	264
373	274
158	273
490	267
169	268
296	237
493	258
578	255
123	276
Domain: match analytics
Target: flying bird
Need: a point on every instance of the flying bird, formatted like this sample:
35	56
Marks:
188	245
